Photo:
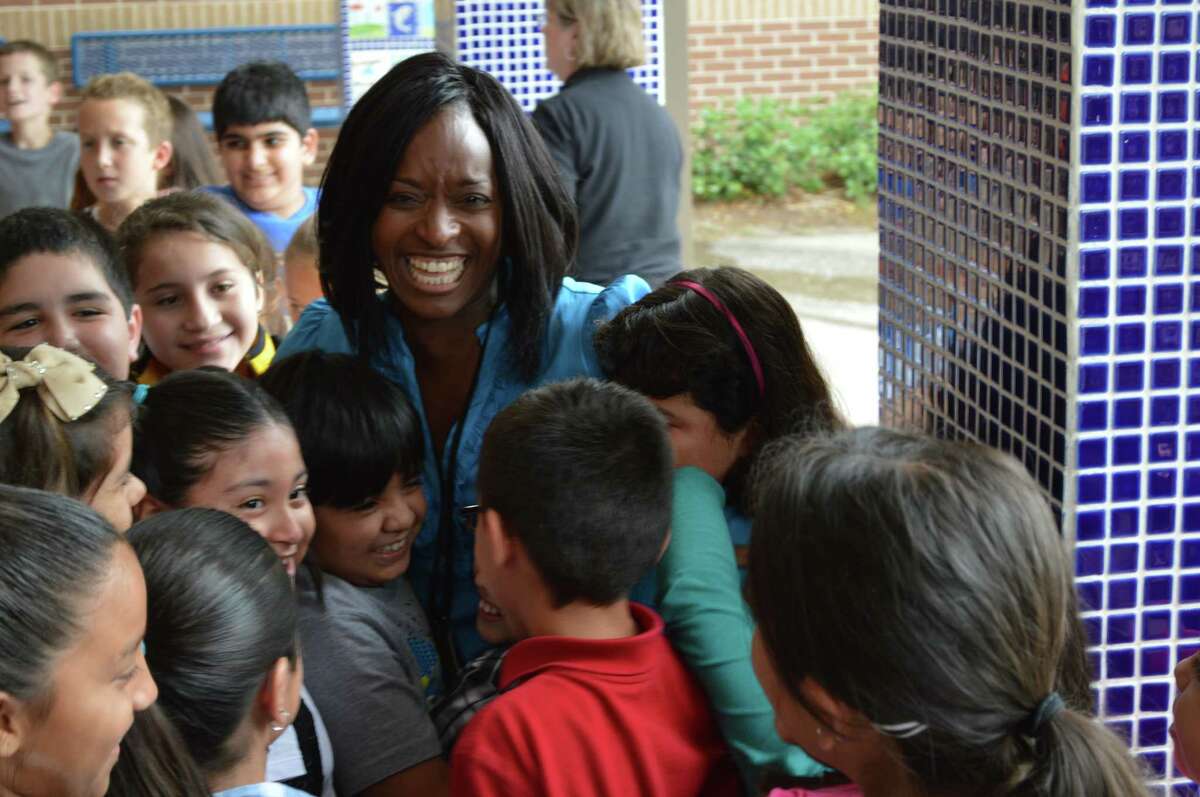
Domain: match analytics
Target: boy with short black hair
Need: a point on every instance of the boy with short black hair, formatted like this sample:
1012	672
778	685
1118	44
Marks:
575	499
37	163
61	283
265	138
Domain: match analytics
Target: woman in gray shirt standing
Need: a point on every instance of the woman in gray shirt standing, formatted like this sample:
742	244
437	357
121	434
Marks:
617	150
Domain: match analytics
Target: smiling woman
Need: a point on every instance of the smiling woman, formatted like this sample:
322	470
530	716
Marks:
69	681
439	181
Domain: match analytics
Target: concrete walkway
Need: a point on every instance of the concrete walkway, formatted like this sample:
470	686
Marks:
831	281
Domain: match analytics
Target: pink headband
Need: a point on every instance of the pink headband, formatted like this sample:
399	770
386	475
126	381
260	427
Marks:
733	322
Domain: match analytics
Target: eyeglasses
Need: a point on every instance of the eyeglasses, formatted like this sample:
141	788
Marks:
469	515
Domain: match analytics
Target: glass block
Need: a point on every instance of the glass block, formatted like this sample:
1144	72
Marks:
1135	107
1093	378
1127	413
1174	67
1091	490
1139	28
1100	31
1172	145
1131	299
1132	260
1168	336
1176	29
1095	226
1166	374
1093	302
1127	449
1131	338
1092	453
1123	522
1135	147
1098	70
1163	447
1189	588
1090	526
1089	559
1097	110
1155	697
1160	555
1169	222
1161	483
1157	660
1172	106
1156	625
1119	663
1168	299
1172	184
1098	187
1129	376
1152	732
1097	148
1164	410
1160	519
1126	487
1121	629
1094	340
1137	68
1134	184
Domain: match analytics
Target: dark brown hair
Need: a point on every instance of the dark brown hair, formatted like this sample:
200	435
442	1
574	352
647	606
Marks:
923	584
201	213
674	341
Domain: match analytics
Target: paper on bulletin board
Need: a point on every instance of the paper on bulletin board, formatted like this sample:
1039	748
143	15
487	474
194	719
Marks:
367	66
389	19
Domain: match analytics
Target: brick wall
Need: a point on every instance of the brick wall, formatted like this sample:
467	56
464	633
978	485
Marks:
787	49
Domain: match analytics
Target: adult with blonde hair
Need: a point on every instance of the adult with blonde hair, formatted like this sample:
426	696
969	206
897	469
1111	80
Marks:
617	150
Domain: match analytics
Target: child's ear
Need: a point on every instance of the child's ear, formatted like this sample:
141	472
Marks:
54	90
135	332
308	146
162	155
12	725
839	718
662	550
496	536
274	700
149	505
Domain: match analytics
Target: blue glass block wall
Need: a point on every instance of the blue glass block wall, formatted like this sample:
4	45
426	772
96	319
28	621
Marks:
505	40
1039	289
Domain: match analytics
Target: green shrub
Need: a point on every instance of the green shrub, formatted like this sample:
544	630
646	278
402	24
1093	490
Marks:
767	148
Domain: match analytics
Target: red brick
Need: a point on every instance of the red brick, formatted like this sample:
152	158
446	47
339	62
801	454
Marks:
701	28
851	74
851	23
740	52
720	41
720	92
821	50
796	38
776	26
776	52
795	63
833	61
739	77
758	64
718	66
758	40
738	28
834	37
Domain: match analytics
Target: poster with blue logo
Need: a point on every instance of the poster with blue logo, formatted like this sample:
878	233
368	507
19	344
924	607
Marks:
378	34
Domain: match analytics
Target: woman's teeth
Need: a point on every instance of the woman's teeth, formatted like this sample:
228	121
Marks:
433	273
489	609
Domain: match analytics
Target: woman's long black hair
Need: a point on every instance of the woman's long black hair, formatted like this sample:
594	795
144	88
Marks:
540	228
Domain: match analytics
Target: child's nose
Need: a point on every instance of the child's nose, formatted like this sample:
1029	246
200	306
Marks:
202	314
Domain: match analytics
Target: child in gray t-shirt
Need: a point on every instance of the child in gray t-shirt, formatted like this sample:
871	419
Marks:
369	659
37	164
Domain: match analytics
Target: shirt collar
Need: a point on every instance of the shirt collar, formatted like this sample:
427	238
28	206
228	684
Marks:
628	656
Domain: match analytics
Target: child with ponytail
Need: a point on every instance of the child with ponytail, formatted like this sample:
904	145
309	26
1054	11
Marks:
915	609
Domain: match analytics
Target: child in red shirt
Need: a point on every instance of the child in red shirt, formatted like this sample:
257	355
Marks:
575	499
